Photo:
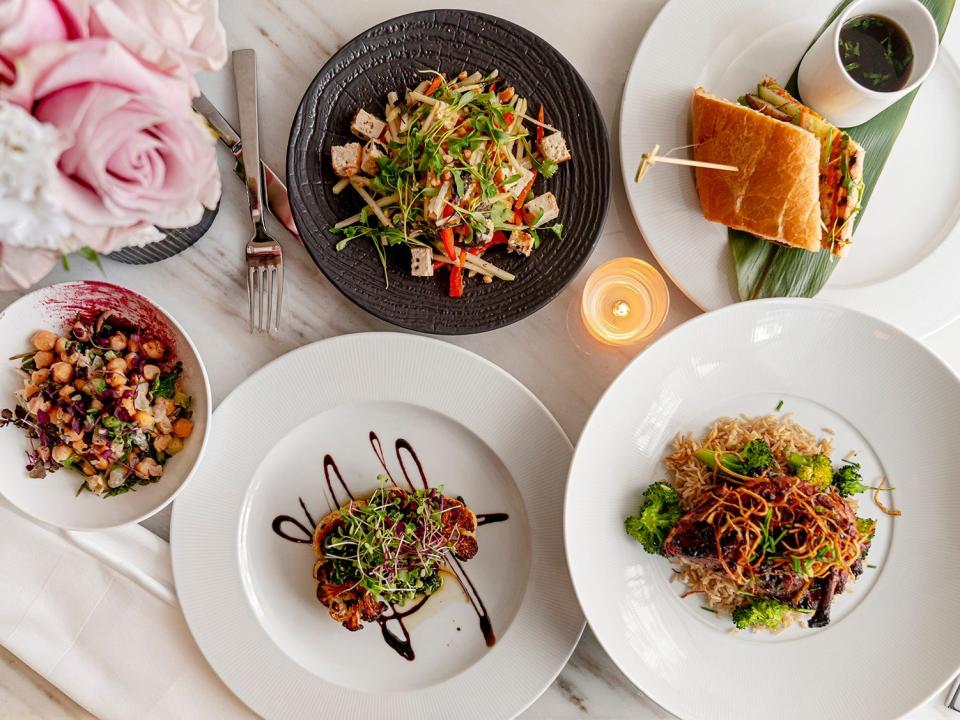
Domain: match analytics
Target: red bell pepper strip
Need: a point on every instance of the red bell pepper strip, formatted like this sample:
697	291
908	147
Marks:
433	86
447	210
446	237
539	128
518	217
498	239
456	277
508	117
526	191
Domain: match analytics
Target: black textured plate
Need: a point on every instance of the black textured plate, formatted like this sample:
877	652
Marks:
387	57
175	240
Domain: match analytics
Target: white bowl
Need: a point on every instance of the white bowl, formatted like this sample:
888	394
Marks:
53	499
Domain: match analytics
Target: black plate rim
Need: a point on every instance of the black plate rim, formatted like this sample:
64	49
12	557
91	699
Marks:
296	128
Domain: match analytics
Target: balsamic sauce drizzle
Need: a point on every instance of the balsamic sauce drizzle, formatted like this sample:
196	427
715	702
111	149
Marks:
400	643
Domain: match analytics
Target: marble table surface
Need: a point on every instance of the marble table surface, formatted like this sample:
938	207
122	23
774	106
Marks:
548	352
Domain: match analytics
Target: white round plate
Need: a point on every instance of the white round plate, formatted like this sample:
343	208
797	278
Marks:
908	243
893	641
248	594
54	499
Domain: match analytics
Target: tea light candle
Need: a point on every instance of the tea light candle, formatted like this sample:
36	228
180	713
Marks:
625	301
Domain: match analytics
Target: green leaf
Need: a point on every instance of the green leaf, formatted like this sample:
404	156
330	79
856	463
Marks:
767	270
90	255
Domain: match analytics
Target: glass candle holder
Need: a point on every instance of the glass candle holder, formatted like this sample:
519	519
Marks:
625	300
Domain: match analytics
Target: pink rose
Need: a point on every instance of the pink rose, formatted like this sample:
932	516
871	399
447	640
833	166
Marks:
178	37
27	23
138	153
21	267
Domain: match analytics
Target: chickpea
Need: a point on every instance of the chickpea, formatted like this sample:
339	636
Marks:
29	391
80	385
144	420
43	359
88	469
131	359
101	464
507	94
67	391
175	446
117	365
44	340
162	442
463	75
154	349
61	372
115	379
133	345
39	377
150	372
167	405
148	468
96	404
487	279
182	428
36	404
468	153
61	453
60	346
118	342
127	404
96	484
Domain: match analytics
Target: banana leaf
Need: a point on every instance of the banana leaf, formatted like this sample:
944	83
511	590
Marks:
765	269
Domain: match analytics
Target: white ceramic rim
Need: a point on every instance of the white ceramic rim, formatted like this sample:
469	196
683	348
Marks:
906	89
206	524
883	298
27	299
716	316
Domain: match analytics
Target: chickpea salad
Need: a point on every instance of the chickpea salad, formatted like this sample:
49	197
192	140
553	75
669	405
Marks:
103	400
449	172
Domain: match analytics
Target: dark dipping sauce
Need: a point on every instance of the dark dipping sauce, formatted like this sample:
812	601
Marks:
876	52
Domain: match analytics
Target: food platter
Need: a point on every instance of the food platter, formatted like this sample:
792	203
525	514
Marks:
908	238
243	574
389	57
753	358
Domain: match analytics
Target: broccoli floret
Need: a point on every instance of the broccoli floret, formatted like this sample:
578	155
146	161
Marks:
765	612
847	479
867	529
754	457
659	512
815	469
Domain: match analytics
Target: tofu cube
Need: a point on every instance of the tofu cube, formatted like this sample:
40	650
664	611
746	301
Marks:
545	204
487	234
517	187
554	147
520	242
366	125
368	161
421	261
346	159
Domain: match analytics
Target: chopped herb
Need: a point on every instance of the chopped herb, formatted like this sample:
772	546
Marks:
779	406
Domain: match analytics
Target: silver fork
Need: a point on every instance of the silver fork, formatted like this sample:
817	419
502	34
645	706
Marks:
263	254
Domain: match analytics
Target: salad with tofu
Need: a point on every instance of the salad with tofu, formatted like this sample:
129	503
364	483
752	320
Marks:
449	172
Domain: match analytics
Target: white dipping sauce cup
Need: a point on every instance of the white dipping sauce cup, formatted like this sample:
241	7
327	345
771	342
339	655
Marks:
827	88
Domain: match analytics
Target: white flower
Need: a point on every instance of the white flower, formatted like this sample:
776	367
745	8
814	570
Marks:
30	212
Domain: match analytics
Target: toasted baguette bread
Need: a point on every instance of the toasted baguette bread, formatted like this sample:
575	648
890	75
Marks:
775	194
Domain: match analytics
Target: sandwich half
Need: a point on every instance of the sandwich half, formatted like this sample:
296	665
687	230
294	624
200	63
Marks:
775	193
738	134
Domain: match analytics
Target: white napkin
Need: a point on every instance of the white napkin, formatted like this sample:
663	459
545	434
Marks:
96	615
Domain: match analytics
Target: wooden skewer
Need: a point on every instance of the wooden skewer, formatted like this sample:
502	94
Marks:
648	160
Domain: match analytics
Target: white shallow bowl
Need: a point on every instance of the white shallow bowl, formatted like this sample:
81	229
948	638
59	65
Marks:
894	641
53	499
248	594
901	265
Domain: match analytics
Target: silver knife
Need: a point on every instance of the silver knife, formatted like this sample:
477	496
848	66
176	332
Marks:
277	200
